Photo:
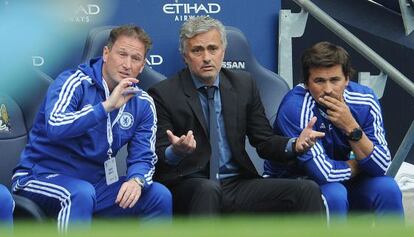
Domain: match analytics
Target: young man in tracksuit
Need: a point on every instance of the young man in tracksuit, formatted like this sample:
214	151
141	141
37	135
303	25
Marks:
68	166
350	162
6	206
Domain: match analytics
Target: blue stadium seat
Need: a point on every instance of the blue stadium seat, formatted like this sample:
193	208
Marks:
17	112
94	45
271	86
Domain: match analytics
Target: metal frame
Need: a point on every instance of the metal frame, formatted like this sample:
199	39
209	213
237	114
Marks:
407	13
298	21
402	152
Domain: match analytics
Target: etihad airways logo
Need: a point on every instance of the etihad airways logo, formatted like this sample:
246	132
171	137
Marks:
85	13
154	60
185	11
38	61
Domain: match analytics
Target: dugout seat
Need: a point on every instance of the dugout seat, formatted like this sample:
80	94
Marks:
97	39
18	109
271	86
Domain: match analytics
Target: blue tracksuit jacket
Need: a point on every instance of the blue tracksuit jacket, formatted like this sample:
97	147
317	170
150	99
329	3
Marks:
326	161
69	135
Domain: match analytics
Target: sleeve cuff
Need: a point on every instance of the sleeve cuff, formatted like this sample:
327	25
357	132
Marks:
100	112
289	146
362	163
170	157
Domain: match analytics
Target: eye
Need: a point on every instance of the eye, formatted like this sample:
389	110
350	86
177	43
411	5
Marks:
136	58
335	79
196	50
213	50
319	80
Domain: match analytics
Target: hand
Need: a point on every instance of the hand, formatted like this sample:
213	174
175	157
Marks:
353	164
184	145
308	137
120	95
128	194
339	114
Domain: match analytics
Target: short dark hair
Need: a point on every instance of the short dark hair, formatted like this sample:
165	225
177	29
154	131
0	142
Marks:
326	54
130	31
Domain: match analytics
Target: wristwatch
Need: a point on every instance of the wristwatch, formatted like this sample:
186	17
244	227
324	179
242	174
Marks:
139	181
355	134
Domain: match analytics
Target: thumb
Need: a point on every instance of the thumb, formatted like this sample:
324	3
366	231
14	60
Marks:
171	137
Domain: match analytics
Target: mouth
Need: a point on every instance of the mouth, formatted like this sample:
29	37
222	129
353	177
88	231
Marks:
124	74
207	68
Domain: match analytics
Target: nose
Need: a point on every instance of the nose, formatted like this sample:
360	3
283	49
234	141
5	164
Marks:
328	89
206	56
127	63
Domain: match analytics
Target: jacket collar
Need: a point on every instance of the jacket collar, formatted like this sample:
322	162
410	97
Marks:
93	69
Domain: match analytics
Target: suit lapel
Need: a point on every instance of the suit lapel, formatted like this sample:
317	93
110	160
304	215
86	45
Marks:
192	98
229	106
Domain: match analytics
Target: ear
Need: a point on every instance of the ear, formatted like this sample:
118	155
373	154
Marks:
105	53
184	55
142	68
347	80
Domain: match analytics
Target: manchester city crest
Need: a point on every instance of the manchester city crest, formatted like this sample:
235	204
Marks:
4	119
126	120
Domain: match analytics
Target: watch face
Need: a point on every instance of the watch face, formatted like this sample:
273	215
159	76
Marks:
355	135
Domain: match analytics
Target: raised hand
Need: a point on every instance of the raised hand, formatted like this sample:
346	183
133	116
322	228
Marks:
184	145
120	95
338	113
308	137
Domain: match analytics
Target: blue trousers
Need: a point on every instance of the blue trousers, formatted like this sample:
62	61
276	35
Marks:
380	195
75	201
6	206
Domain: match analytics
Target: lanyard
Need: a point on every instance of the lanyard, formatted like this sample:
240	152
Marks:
109	125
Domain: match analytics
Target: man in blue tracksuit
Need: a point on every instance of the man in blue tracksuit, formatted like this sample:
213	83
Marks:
6	206
68	165
350	162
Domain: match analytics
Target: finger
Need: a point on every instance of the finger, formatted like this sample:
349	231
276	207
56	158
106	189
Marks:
124	201
311	122
131	80
180	141
300	147
130	199
191	146
324	102
332	99
120	194
329	102
135	200
307	141
315	135
127	82
188	138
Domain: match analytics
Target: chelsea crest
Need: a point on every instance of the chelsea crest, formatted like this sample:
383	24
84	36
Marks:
126	120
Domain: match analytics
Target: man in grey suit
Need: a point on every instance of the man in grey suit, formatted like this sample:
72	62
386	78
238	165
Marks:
208	170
